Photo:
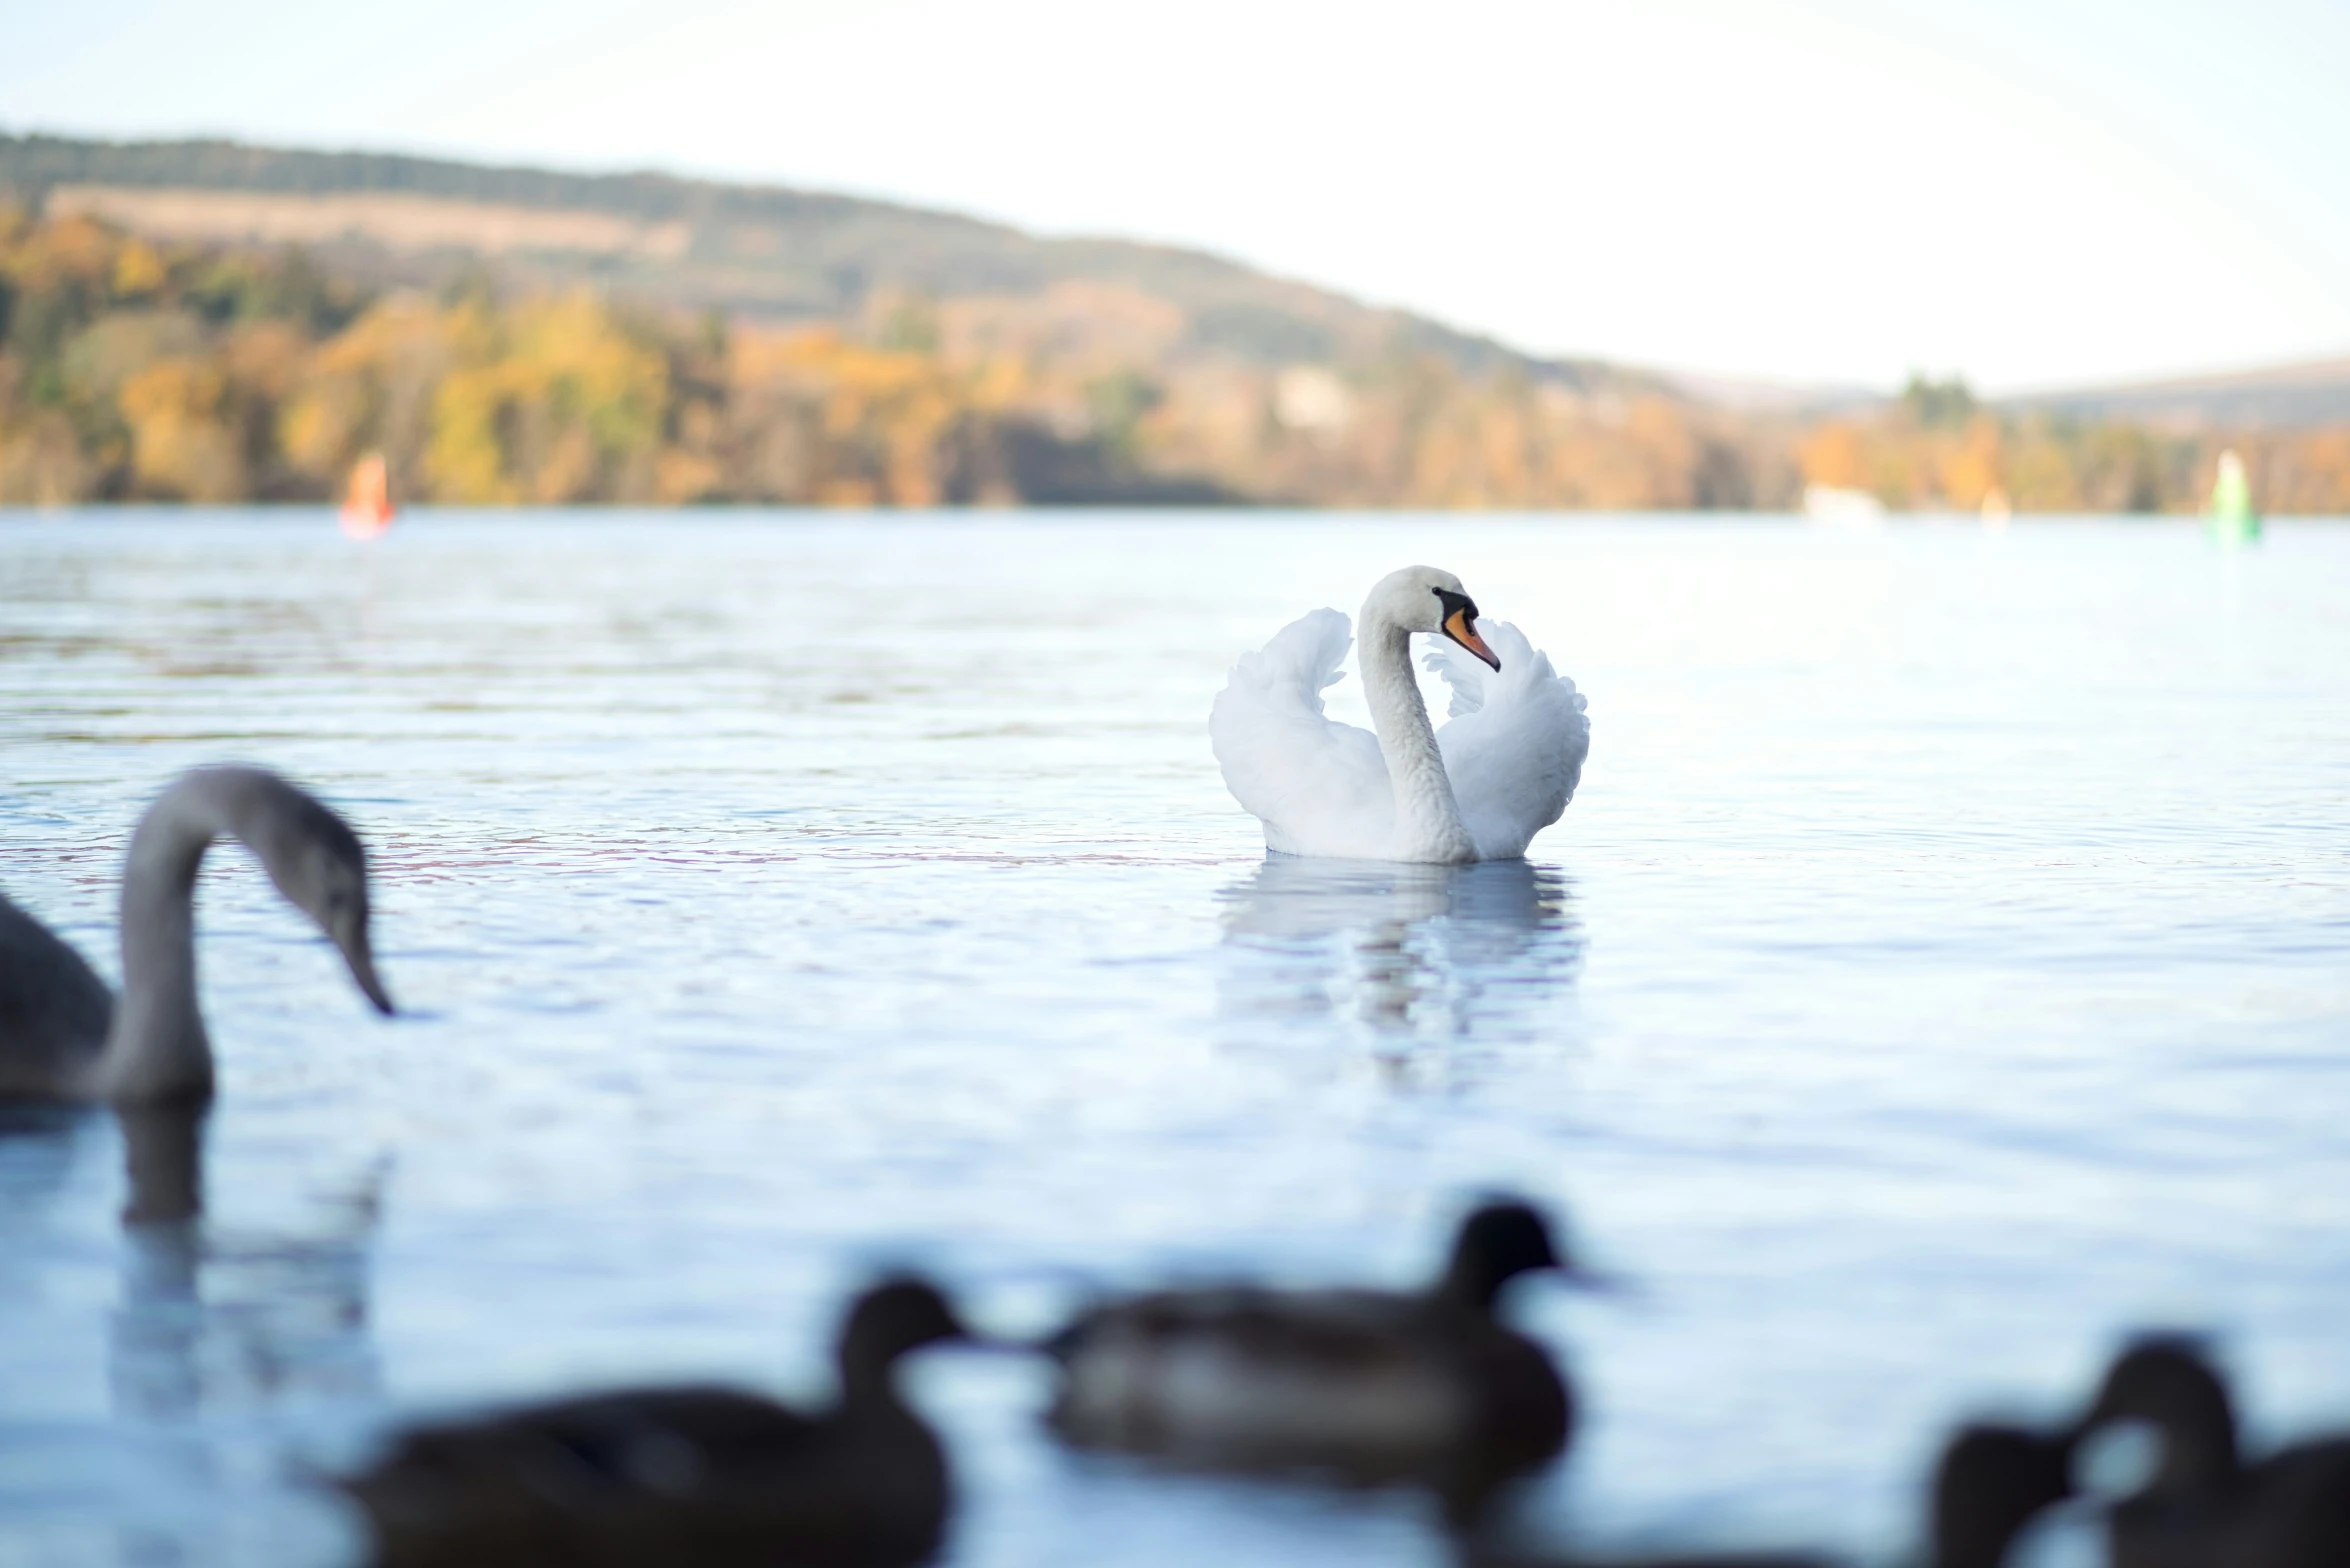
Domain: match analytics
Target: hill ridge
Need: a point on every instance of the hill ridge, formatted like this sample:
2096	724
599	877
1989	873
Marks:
768	249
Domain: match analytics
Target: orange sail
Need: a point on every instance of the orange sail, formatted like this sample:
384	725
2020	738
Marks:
367	504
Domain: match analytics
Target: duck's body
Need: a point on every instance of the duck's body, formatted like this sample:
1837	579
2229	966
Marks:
64	1036
1502	770
2291	1510
1366	1386
679	1475
1478	1556
1989	1483
2204	1507
694	1477
1370	1386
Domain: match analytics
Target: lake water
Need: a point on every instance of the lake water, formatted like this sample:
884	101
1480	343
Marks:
1944	968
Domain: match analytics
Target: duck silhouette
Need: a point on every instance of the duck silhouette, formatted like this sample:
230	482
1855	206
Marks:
2204	1507
1361	1386
1989	1482
696	1477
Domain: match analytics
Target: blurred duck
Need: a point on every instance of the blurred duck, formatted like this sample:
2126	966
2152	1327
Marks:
64	1036
1364	1386
1477	1556
2203	1507
684	1477
1990	1482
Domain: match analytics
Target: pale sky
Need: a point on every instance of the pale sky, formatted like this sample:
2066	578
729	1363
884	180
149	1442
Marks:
2029	192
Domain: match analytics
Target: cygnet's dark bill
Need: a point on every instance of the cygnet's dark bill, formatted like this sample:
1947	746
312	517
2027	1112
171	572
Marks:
361	957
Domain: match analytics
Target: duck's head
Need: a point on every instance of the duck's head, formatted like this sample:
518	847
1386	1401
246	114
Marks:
315	859
1496	1243
2167	1381
1428	599
1989	1484
895	1317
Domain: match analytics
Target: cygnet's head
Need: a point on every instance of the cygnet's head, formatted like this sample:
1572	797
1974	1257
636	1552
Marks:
316	861
1428	599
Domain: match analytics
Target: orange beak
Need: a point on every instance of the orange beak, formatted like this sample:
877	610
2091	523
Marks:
1457	627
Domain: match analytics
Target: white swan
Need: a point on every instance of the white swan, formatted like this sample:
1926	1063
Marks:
62	1036
1500	772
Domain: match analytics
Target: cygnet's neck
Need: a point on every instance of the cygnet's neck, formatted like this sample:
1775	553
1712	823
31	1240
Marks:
1427	819
157	1049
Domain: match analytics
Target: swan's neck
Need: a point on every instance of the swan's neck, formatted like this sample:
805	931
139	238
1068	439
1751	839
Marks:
1427	818
157	1049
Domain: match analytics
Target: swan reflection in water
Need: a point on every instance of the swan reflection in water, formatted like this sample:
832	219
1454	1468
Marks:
210	1328
211	1318
1413	958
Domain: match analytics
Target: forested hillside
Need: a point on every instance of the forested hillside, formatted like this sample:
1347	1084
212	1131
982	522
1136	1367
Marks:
759	250
138	368
204	321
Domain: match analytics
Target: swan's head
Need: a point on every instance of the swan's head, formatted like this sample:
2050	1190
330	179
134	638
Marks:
329	882
316	861
1426	599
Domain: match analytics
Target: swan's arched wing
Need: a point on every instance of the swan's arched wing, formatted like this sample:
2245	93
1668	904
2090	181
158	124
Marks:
1515	747
1319	787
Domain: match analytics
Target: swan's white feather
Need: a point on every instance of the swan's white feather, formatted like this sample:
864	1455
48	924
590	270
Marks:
1320	787
1513	750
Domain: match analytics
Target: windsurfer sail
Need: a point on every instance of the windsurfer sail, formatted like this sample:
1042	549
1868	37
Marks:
367	504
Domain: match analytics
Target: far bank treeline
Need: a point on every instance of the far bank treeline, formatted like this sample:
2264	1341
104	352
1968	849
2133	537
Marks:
138	370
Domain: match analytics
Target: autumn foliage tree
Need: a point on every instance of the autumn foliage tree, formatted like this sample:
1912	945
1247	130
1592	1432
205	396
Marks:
132	370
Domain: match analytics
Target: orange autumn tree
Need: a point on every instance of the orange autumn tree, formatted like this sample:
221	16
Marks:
139	369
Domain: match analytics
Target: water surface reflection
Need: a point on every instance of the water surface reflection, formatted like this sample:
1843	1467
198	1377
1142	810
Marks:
1941	987
265	1325
1408	960
211	1317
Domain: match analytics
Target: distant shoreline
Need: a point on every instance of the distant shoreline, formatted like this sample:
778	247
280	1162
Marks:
204	321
